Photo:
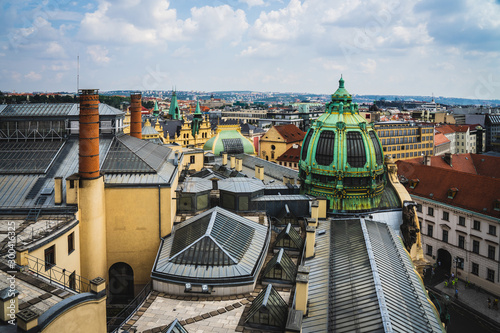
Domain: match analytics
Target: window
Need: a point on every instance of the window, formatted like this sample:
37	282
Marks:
446	216
356	155
490	275
71	242
326	148
491	252
461	242
72	281
419	207
475	246
475	269
476	225
430	211
191	159
460	263
429	230
429	250
445	236
492	230
50	257
461	220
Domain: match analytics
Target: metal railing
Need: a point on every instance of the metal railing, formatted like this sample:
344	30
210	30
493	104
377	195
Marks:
114	323
57	276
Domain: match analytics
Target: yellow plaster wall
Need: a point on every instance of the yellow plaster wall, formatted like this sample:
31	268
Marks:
70	262
133	226
273	137
86	317
198	160
92	215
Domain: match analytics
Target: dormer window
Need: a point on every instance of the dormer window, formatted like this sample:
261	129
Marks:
414	182
452	192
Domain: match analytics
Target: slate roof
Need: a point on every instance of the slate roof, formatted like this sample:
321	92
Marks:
172	128
290	133
370	284
475	192
216	247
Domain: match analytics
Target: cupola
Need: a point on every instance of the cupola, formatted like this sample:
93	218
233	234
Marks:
341	157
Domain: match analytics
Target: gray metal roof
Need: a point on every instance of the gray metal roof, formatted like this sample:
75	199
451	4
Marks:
241	185
271	169
287	197
52	110
23	188
216	246
370	285
28	156
196	185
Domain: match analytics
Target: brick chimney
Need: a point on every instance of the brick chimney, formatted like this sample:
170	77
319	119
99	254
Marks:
89	134
135	115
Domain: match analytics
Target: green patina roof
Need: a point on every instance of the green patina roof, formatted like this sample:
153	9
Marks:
174	110
197	120
342	158
230	141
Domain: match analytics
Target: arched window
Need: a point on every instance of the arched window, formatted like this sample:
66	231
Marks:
356	155
325	148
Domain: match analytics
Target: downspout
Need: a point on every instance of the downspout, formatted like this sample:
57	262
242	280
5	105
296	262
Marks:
159	212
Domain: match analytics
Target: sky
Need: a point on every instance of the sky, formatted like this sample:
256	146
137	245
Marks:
447	48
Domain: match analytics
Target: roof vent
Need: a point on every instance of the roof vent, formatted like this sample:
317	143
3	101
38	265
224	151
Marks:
414	182
452	192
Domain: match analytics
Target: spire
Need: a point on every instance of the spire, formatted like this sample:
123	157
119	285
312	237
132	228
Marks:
341	82
198	110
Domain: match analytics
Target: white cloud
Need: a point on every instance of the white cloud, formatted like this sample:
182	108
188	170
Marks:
216	23
33	76
252	3
280	25
98	54
369	66
99	26
54	49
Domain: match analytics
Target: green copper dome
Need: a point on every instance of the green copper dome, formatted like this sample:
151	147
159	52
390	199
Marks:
341	157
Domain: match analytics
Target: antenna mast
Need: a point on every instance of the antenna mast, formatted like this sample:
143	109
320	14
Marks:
77	74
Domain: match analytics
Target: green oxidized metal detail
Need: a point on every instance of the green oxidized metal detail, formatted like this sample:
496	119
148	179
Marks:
347	187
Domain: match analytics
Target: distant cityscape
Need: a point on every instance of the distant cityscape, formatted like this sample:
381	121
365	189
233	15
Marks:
280	97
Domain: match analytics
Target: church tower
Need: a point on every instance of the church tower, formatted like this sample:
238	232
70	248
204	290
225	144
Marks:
197	120
174	111
341	157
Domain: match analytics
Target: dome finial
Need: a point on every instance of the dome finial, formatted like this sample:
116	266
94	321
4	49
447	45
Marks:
341	82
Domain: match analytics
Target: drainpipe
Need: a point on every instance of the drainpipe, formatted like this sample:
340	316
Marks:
159	212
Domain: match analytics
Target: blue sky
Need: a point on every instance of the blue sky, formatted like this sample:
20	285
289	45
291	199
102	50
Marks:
404	47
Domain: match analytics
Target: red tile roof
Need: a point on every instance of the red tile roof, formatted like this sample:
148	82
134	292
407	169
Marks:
475	192
290	133
447	128
471	163
291	155
440	139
